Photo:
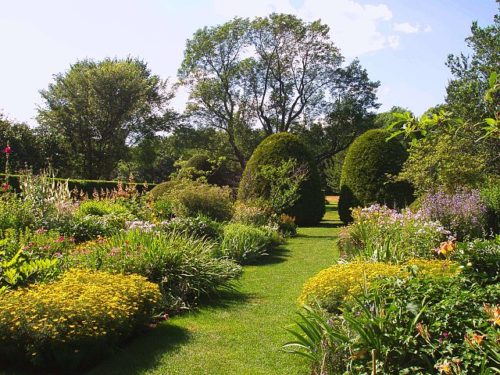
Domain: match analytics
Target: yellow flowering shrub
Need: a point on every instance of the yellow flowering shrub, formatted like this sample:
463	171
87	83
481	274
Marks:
331	286
76	319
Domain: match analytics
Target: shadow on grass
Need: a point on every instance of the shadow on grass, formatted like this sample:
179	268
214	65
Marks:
329	224
223	299
276	256
143	352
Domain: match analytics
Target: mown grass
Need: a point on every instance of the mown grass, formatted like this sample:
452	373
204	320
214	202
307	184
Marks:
241	333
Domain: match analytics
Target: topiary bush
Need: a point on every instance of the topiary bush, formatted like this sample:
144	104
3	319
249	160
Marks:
369	163
274	152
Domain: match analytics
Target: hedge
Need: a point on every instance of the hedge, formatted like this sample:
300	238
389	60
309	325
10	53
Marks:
87	186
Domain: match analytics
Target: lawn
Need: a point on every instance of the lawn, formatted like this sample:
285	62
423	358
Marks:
243	331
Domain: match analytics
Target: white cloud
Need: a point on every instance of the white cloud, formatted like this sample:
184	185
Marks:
355	27
393	41
408	28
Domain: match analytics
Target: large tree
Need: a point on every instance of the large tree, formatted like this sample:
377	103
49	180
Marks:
277	72
466	91
98	108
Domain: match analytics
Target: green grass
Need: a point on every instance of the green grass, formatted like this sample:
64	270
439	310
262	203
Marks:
242	333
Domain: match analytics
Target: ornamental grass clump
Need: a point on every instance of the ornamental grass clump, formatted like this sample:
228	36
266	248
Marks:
381	234
184	267
76	320
462	212
245	243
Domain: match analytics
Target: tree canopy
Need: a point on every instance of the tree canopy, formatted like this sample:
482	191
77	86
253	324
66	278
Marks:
274	73
99	107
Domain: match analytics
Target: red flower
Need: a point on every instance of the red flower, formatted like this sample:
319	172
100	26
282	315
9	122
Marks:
5	186
7	150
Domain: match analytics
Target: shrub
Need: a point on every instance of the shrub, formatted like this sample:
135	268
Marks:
366	174
340	282
89	227
245	243
27	257
184	267
101	208
199	227
413	326
331	286
252	213
480	260
379	233
15	213
215	172
165	188
490	194
462	212
75	320
193	200
273	156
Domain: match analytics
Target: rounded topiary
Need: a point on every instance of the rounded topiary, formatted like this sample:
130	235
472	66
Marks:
365	179
163	188
272	151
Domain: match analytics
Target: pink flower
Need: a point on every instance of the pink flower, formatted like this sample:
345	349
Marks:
5	186
7	150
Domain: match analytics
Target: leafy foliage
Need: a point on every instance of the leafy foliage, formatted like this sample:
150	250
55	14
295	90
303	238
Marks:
273	156
379	234
183	267
366	174
244	243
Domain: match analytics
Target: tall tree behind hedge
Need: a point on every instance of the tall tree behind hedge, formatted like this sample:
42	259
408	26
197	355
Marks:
99	107
272	72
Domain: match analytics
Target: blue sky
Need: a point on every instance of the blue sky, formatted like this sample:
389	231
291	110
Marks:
402	43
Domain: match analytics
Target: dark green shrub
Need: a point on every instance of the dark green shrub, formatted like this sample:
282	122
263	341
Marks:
490	194
274	152
369	163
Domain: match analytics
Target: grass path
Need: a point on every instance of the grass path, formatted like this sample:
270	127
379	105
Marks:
244	331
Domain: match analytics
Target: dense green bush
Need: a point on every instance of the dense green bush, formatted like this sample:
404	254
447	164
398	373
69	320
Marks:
245	243
490	194
101	208
199	227
75	320
202	165
191	200
365	180
166	187
270	156
184	267
15	213
88	227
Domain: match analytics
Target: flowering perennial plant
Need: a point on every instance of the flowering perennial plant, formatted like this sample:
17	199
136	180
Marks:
74	318
379	233
463	212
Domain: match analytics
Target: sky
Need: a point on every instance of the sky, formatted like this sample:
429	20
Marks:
402	43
